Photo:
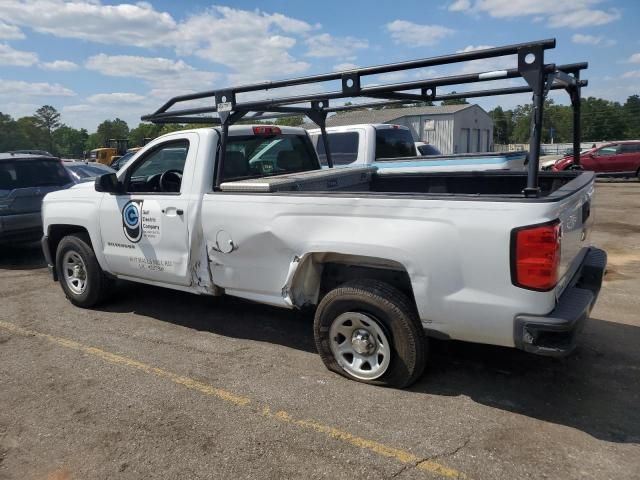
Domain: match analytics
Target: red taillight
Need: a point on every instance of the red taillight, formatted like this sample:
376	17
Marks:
536	256
266	130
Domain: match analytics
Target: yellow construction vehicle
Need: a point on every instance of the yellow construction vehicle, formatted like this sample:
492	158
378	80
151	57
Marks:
117	147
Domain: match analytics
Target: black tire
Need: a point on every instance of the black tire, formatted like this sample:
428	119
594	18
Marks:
393	311
98	285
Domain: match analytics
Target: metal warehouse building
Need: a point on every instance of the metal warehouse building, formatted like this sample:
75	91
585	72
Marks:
451	128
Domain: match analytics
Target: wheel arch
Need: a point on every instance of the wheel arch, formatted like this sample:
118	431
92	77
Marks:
313	275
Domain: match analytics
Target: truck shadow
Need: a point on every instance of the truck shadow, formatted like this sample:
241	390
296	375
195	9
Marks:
595	390
227	316
21	257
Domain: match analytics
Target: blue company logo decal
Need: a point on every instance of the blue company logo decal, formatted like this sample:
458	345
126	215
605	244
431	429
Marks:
131	221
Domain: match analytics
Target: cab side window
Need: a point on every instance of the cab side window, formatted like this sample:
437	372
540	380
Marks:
160	170
608	150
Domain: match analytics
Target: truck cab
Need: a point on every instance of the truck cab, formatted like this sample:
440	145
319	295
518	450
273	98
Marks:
363	144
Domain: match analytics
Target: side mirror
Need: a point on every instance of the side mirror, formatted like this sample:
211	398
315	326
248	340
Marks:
108	183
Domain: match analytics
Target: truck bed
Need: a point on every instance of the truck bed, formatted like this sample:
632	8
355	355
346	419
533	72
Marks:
369	179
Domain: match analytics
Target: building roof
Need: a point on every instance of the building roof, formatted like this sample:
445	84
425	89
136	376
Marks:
388	114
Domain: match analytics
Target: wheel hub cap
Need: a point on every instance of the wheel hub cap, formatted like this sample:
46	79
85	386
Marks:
363	342
360	345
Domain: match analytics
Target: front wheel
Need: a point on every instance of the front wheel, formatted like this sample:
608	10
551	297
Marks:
82	280
369	331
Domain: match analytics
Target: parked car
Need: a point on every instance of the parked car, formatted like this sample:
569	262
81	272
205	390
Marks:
86	172
24	180
391	148
615	159
427	149
33	152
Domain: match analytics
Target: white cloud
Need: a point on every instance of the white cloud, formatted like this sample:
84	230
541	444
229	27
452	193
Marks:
393	77
59	66
573	14
19	88
631	74
601	40
125	24
10	32
17	58
158	72
325	45
414	35
344	66
253	44
460	6
117	98
635	58
583	18
486	64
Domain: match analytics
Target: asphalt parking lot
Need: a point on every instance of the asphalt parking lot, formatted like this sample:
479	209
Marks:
163	384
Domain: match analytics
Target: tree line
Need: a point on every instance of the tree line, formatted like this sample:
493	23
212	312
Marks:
601	120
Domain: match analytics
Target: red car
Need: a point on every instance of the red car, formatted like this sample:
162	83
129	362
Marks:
616	159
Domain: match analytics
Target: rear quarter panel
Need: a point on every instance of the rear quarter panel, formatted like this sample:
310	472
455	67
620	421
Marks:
457	253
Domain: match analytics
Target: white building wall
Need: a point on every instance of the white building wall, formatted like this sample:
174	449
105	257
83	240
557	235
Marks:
473	131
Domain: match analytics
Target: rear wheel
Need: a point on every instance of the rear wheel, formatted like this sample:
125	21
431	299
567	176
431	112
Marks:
82	280
369	331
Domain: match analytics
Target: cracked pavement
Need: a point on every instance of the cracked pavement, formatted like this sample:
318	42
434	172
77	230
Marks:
480	412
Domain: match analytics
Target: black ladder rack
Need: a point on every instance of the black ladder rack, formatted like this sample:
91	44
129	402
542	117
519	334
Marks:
539	77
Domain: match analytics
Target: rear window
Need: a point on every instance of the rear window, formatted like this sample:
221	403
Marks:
32	173
252	156
343	146
394	142
630	148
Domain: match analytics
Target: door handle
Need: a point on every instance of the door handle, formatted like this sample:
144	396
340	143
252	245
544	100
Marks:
170	211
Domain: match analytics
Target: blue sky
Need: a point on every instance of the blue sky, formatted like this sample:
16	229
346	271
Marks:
96	60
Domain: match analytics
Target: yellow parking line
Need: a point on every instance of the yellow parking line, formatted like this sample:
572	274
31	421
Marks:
401	456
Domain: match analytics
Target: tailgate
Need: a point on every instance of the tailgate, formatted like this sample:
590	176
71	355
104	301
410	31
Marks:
576	219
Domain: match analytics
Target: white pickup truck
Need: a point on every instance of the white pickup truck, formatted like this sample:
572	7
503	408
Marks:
392	148
384	258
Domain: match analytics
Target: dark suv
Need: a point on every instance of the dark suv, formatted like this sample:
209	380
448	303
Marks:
615	159
24	181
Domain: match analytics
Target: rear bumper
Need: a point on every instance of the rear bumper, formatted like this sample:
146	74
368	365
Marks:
554	334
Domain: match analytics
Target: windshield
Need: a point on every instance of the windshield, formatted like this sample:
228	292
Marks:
251	156
394	142
32	173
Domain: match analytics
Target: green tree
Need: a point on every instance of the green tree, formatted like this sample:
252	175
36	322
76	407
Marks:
11	138
455	101
631	113
111	129
500	126
293	121
139	135
601	120
70	142
32	135
47	118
